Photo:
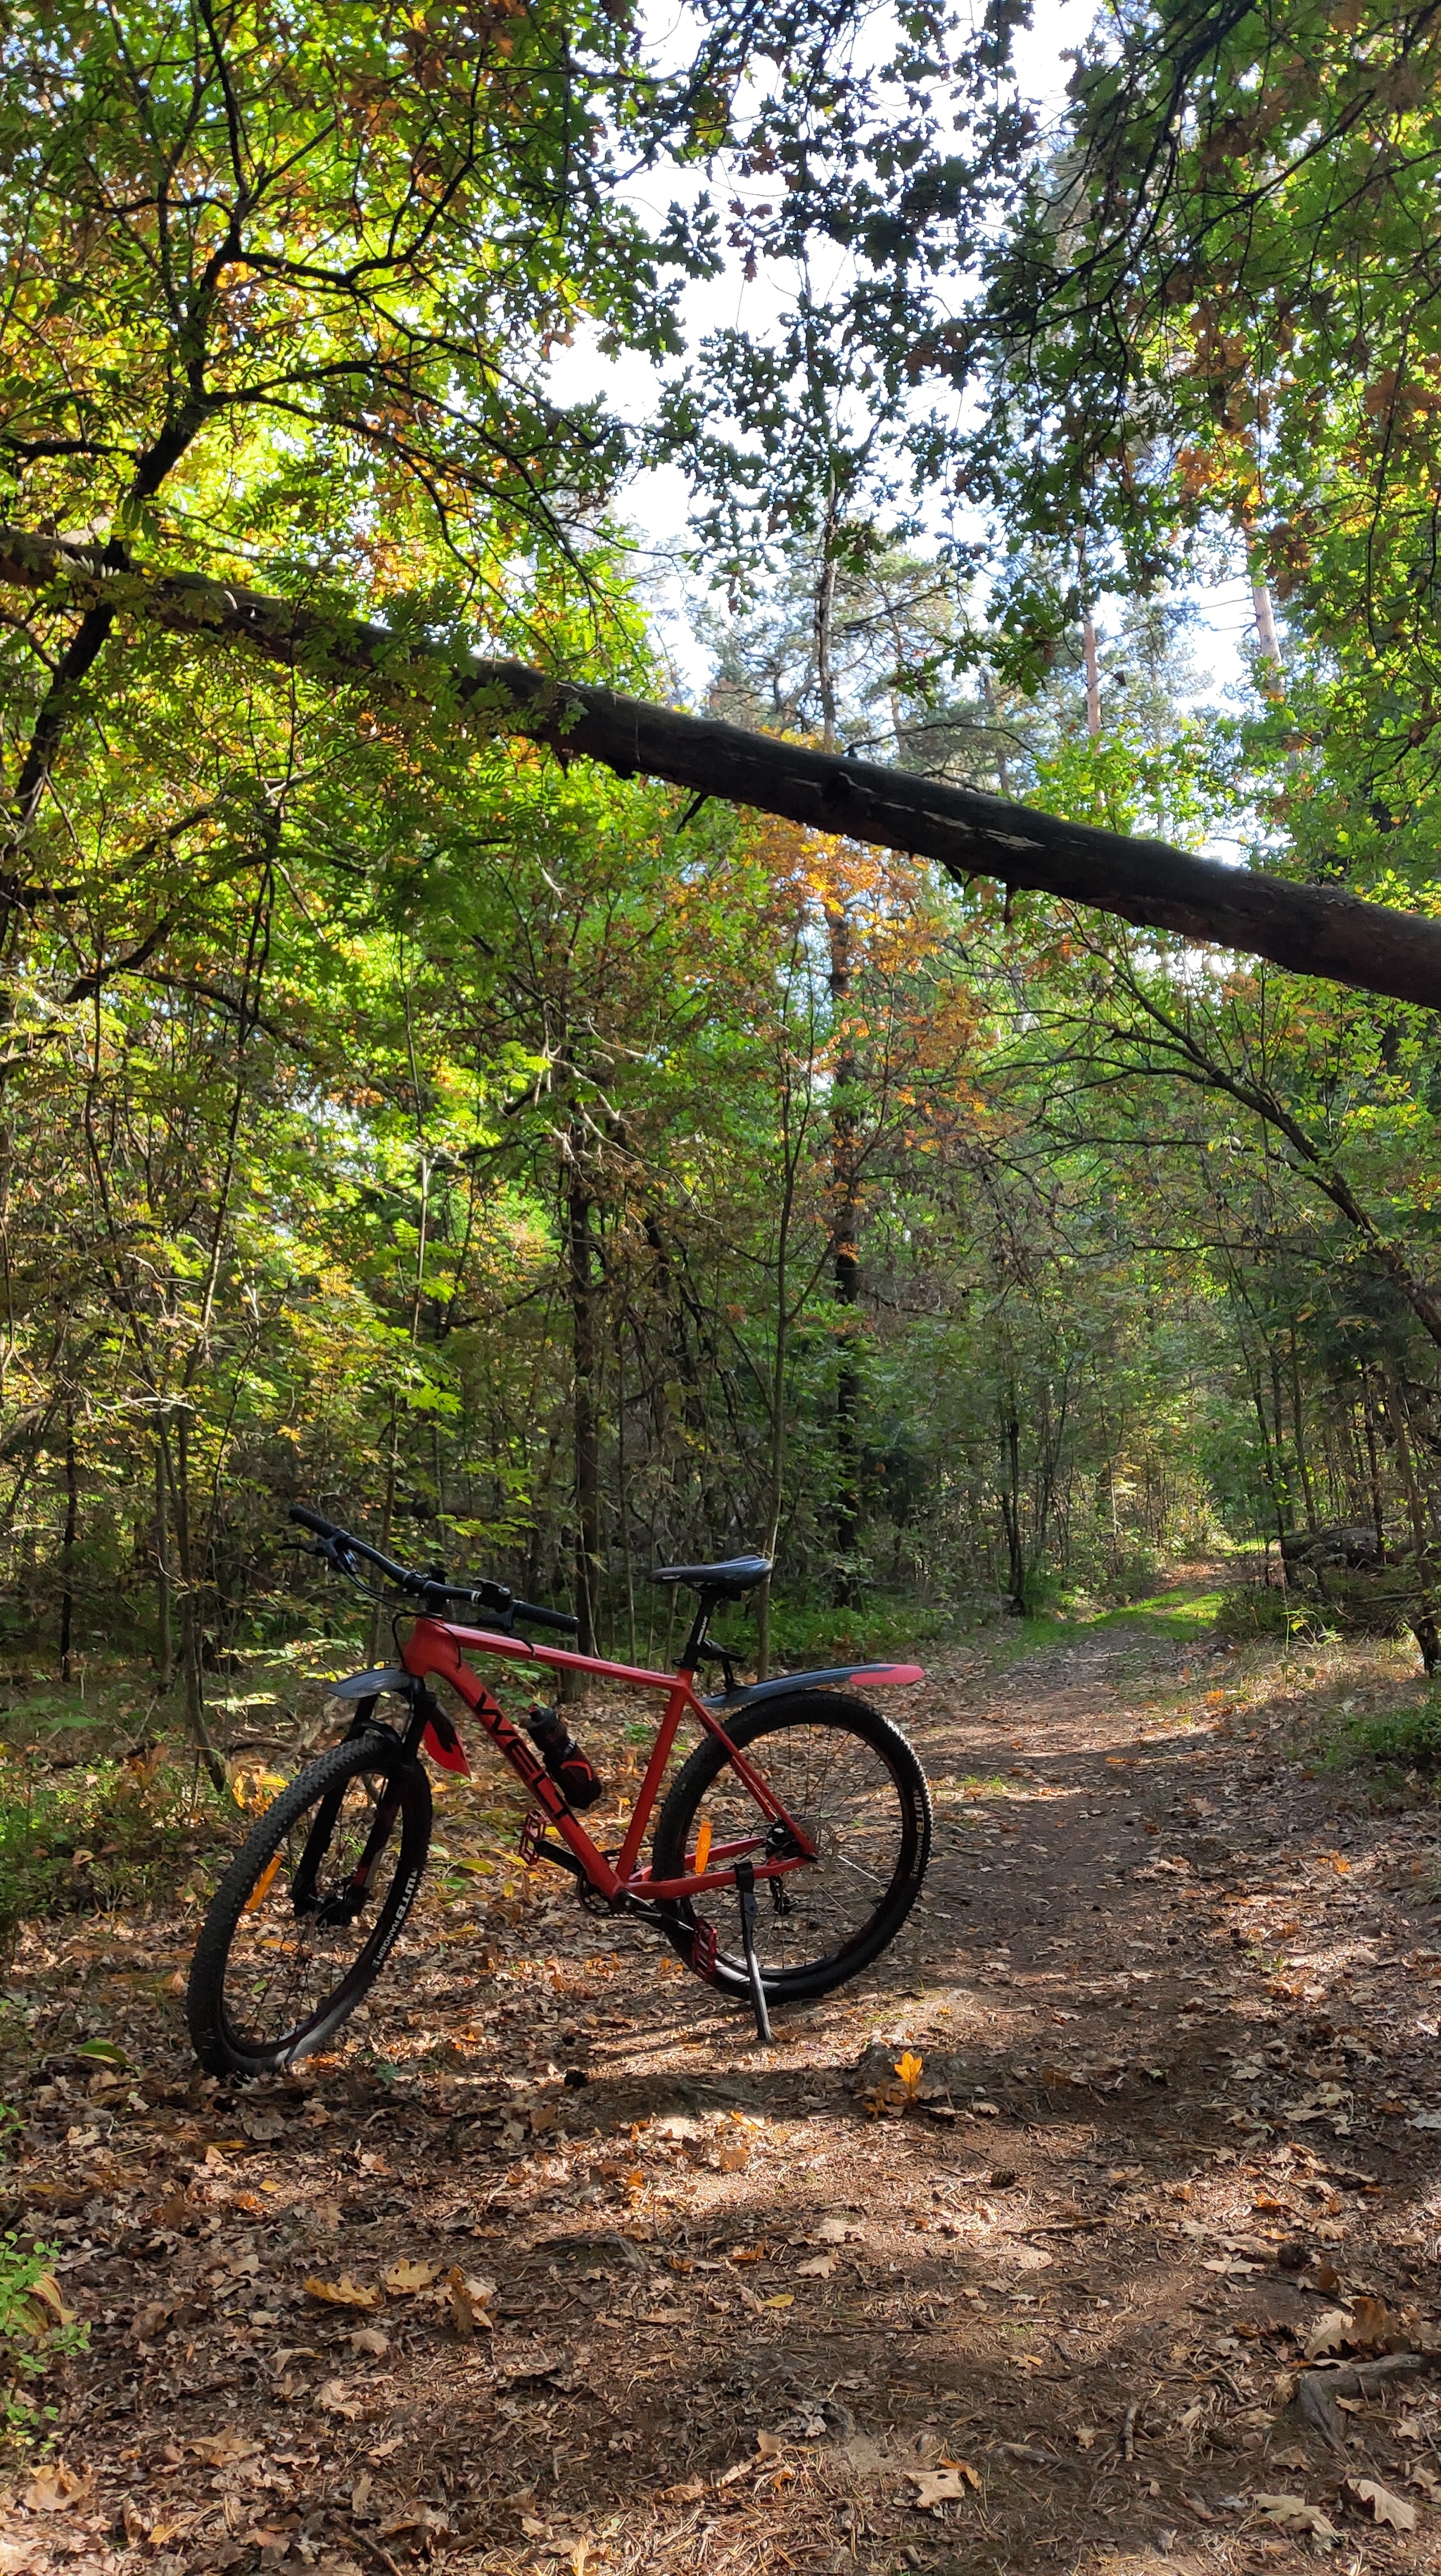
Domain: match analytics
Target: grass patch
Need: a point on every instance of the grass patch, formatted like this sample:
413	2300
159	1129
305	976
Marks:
1404	1739
1181	1617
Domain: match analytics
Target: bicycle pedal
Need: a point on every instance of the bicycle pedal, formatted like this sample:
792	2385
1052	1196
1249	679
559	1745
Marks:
704	1950
532	1838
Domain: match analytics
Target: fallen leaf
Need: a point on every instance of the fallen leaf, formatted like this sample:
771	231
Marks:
57	2489
1385	2506
345	2293
462	2311
222	2450
734	2159
1331	2329
337	2400
819	2270
369	2339
361	2491
940	2486
769	2445
836	2231
1088	2435
1371	2321
675	2125
46	2288
405	2278
262	2128
1293	2513
909	2067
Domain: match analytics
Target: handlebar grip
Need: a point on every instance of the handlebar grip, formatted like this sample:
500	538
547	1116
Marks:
313	1521
546	1618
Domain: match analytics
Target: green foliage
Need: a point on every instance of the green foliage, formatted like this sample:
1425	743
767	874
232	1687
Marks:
556	1179
1253	1610
1408	1737
31	2338
108	1834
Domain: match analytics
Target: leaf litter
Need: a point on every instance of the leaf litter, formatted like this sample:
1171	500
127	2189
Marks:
710	2289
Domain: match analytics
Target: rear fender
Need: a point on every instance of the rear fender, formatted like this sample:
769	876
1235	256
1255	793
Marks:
754	1693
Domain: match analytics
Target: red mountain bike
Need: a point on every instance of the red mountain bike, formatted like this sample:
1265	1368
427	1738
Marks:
802	1815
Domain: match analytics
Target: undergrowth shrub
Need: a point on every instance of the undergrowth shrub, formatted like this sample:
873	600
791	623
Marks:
1409	1738
113	1833
1253	1610
36	2330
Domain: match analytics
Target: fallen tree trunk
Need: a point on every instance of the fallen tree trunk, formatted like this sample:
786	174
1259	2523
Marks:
1313	929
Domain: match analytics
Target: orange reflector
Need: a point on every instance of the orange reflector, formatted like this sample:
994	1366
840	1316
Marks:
263	1884
702	1850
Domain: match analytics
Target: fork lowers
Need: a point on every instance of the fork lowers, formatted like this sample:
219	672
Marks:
571	1770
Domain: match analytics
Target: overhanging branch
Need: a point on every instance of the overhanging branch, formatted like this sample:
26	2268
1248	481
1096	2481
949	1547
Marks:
1313	929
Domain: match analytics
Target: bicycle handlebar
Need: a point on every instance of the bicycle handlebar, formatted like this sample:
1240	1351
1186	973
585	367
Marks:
429	1589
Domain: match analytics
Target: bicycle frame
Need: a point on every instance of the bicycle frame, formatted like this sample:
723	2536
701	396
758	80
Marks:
434	1646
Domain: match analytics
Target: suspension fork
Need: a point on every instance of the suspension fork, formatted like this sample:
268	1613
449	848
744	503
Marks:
344	1907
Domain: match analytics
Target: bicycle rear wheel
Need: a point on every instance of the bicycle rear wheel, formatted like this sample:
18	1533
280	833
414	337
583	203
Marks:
304	1918
850	1779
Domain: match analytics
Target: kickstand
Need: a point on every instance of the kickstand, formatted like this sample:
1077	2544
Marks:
746	1891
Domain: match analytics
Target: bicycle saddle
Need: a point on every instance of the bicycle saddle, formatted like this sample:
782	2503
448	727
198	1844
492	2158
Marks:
735	1575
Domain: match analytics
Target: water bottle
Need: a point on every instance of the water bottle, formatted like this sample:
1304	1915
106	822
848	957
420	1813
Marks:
562	1756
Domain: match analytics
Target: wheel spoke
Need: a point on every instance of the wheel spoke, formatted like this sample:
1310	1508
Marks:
840	1788
283	1968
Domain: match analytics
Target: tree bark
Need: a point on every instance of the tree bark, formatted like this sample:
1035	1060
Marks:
192	1634
1316	930
586	1413
164	1638
67	1545
1093	675
845	1262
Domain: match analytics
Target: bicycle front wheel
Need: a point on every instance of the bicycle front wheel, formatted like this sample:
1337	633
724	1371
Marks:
849	1778
304	1918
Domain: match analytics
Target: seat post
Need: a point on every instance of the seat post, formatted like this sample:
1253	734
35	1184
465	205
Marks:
695	1643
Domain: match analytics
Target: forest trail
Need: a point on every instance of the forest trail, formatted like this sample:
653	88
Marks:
1176	2121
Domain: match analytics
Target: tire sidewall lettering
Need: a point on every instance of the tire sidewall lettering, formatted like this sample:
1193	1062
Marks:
396	1925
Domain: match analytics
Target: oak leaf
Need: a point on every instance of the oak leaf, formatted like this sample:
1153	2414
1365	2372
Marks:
1385	2506
346	2292
405	2278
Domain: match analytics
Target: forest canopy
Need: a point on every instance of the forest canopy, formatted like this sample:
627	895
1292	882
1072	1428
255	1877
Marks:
552	1171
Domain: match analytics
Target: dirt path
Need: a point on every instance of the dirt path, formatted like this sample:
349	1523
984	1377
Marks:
1178	2103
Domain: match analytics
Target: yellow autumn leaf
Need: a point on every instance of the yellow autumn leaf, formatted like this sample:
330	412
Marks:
405	2278
46	2288
908	2067
344	2293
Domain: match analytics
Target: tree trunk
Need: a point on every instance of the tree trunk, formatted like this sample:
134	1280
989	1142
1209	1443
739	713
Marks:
1373	1464
164	1637
380	1616
1093	675
192	1633
67	1545
845	1264
1317	930
586	1415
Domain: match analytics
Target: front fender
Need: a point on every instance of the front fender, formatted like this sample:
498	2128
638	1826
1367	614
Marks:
753	1692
